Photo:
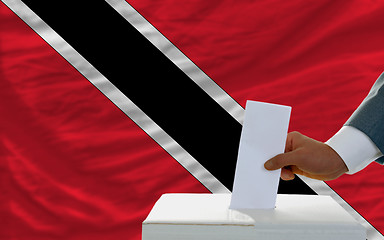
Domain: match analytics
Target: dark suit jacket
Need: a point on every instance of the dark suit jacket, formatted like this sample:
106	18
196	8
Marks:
369	116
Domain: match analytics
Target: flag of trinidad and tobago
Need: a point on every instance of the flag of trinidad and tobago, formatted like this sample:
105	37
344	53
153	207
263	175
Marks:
106	105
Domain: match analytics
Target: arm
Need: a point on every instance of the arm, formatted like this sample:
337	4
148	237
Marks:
322	161
355	148
369	116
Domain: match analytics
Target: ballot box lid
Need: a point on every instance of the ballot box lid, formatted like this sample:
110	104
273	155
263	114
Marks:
213	209
208	215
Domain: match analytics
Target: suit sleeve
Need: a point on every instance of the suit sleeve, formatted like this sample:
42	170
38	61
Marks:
369	116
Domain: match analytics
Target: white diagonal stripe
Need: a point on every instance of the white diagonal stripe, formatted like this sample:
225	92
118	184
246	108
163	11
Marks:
116	96
179	59
219	95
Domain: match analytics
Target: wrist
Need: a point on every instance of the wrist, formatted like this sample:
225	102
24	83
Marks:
339	166
354	148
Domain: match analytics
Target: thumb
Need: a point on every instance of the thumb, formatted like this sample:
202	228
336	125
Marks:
281	160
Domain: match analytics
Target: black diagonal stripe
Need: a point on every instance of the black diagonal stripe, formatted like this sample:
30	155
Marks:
152	82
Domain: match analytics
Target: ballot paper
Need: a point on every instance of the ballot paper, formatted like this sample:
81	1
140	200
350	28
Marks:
263	136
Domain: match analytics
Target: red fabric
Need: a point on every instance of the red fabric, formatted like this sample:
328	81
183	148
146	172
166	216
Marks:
72	165
60	180
320	57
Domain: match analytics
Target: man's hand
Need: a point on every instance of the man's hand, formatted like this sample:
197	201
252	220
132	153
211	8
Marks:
308	157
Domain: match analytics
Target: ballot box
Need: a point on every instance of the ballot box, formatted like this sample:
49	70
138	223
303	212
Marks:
208	217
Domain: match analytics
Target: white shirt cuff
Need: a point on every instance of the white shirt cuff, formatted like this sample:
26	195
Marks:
355	148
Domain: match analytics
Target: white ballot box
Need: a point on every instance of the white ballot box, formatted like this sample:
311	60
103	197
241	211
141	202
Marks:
208	217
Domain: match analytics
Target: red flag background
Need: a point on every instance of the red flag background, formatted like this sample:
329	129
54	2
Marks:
73	166
319	57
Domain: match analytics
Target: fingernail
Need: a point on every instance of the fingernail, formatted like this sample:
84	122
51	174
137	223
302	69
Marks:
268	165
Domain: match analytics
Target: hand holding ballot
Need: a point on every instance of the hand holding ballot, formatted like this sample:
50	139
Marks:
358	143
308	157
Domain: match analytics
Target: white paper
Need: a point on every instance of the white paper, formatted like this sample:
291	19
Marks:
263	136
